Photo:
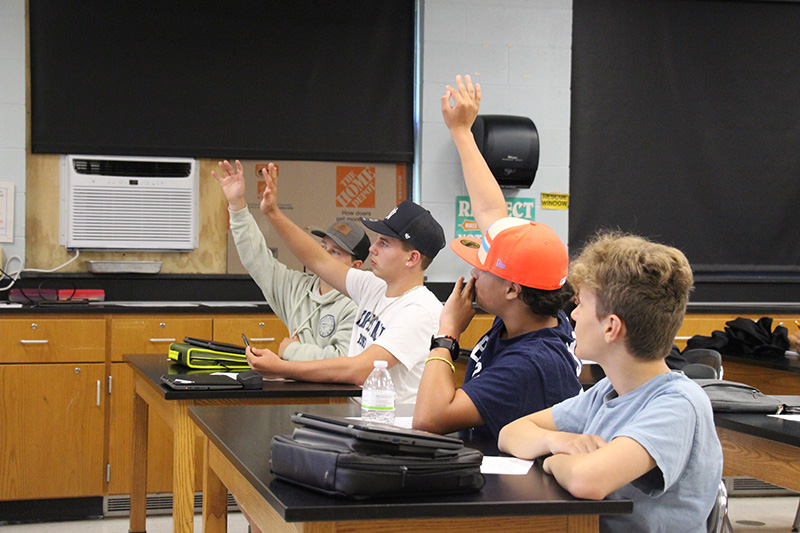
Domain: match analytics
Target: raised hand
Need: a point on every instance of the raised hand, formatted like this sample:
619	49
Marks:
269	202
232	182
466	103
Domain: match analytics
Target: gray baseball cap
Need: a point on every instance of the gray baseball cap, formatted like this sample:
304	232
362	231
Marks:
349	236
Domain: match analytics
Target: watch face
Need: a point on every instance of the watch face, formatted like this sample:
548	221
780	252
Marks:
447	343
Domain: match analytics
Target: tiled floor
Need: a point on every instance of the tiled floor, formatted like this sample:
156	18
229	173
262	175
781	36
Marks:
748	515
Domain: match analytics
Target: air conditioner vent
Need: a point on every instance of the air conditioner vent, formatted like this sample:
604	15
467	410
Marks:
127	203
140	169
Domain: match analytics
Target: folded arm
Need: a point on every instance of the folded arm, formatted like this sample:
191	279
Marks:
585	465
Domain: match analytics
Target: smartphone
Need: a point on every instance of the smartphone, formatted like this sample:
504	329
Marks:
244	338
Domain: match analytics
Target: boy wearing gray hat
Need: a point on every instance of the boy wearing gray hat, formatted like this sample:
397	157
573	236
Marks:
319	318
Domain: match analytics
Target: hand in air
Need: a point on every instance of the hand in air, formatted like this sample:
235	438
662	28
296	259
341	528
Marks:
466	103
232	181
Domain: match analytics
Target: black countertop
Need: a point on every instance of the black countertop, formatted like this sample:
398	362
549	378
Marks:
771	298
243	434
764	426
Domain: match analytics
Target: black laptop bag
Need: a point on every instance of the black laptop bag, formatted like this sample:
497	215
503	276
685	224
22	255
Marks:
340	465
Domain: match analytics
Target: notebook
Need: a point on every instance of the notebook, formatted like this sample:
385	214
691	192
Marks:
373	431
200	382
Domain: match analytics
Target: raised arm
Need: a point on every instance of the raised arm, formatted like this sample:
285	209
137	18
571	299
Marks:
488	203
300	243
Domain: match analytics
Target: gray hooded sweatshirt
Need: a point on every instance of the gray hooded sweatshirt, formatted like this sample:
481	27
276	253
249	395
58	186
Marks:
322	322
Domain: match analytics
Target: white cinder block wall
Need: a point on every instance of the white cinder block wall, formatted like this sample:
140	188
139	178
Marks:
520	53
12	116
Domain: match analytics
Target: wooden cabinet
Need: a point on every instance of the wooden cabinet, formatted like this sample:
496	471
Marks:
139	334
66	397
154	334
120	445
52	422
263	331
144	334
53	340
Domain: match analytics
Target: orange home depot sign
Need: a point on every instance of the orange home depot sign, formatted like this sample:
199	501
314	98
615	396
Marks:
355	186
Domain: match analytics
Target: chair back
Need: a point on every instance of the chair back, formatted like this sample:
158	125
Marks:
706	357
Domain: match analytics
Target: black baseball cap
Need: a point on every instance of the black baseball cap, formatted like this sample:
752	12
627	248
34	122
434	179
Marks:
413	224
349	236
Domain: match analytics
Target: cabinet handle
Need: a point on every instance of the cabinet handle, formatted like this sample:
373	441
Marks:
31	341
262	339
98	393
162	340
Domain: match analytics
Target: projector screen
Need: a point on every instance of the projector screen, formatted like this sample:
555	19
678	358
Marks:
300	79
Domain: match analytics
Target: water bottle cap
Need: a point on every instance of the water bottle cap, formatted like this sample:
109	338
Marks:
381	364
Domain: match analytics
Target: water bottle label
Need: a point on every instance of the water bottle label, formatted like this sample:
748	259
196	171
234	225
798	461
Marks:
378	400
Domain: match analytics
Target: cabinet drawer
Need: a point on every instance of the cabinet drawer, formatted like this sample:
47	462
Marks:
264	331
154	335
52	340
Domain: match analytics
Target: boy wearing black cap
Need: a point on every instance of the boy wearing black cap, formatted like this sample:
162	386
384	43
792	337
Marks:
320	319
526	361
397	314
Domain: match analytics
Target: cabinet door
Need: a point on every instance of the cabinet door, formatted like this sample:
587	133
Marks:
51	430
264	332
154	335
159	443
53	340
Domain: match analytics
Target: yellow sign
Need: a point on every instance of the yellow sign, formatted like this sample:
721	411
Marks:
554	200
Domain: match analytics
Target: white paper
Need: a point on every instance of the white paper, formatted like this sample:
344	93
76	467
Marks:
795	418
403	421
505	465
6	211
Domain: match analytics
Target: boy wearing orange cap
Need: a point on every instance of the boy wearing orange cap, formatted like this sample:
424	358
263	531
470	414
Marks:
525	362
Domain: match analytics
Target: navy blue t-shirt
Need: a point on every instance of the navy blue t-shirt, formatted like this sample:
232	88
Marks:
510	378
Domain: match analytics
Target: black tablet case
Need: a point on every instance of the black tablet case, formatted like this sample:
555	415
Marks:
344	466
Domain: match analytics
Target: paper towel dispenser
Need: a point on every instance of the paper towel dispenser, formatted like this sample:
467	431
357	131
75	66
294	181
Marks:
510	145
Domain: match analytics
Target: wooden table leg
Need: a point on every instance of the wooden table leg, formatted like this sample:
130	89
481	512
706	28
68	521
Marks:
139	478
183	470
215	498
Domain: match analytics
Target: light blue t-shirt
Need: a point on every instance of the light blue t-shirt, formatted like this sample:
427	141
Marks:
671	417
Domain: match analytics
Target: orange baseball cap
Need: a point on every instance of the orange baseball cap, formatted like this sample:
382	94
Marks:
518	250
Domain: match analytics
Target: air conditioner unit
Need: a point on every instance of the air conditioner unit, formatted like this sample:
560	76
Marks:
129	203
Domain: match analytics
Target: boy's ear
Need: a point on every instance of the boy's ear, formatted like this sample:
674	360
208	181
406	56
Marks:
513	290
614	329
414	257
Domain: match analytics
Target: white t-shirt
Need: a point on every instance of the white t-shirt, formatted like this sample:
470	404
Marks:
403	326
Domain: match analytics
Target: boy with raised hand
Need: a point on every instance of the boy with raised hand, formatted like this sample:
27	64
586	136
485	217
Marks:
396	315
525	362
643	432
320	319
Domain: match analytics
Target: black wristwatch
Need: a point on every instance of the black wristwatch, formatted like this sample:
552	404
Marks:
445	341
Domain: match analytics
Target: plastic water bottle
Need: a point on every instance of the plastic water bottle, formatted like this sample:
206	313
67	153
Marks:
377	398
